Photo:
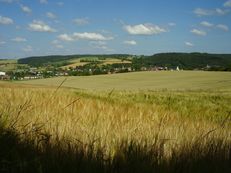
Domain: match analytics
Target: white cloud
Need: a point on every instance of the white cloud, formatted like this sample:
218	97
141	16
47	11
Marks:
205	12
81	21
91	36
28	49
18	39
223	27
40	26
102	47
2	42
221	12
198	32
65	37
60	3
6	20
18	27
227	3
98	43
202	12
144	29
206	24
84	36
43	1
25	9
55	42
59	46
130	42
189	44
172	24
50	15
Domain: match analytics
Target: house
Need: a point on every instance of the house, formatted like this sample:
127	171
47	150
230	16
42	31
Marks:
4	76
2	73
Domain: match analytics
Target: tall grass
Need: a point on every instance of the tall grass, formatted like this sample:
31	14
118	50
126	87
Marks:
46	130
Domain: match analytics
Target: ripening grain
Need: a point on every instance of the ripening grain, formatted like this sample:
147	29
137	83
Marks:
107	121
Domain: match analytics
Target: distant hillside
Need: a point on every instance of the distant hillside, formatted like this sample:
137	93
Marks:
61	59
185	60
45	60
170	60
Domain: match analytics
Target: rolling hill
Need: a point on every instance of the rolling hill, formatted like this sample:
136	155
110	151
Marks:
186	60
170	60
62	60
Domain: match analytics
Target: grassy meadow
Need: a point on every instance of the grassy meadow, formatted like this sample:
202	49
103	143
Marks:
10	64
6	64
136	122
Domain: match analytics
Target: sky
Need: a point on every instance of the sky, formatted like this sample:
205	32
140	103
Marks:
141	27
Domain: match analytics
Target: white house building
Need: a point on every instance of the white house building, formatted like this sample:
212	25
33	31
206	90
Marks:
2	73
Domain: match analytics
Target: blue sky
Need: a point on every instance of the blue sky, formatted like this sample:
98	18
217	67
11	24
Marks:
44	27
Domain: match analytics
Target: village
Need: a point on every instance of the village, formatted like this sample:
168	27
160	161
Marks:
32	73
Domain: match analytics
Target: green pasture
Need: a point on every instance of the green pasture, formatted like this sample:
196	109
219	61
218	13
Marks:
10	65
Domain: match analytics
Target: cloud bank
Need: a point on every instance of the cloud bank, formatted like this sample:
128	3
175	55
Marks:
26	9
130	42
84	36
18	39
6	20
40	26
198	32
144	29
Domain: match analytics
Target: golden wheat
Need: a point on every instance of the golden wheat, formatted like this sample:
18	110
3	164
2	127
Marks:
106	120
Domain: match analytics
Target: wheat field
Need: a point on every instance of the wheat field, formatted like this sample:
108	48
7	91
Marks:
161	126
148	80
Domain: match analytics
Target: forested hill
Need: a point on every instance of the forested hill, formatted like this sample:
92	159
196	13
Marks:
186	60
42	60
171	60
61	59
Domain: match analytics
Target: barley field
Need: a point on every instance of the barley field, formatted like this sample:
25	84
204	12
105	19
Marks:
171	80
61	129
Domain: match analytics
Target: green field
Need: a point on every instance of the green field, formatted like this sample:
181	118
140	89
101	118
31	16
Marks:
10	65
171	80
8	61
106	61
7	64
